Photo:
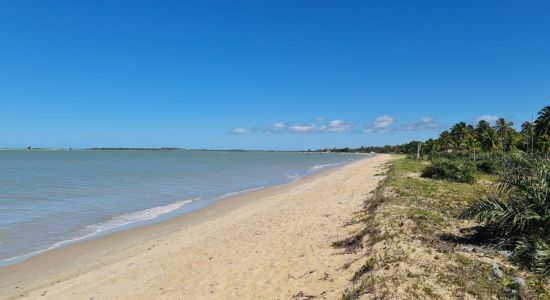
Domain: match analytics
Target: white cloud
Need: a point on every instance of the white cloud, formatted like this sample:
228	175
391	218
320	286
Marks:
426	120
382	123
240	131
334	126
318	126
488	118
337	126
424	123
302	128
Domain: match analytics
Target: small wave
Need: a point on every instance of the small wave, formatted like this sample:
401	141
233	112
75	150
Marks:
142	215
118	221
240	192
293	177
318	167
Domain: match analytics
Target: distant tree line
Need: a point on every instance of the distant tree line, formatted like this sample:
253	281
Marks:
407	148
532	138
514	214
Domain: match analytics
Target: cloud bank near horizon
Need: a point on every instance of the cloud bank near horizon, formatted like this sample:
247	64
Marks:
382	124
319	126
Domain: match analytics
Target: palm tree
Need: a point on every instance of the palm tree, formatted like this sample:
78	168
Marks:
481	131
544	144
459	132
482	126
528	132
429	147
503	127
519	211
491	140
472	144
542	123
504	130
445	141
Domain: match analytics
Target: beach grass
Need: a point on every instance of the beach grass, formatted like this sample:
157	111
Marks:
416	245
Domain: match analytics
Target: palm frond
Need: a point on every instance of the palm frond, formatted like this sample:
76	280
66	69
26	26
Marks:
533	253
519	210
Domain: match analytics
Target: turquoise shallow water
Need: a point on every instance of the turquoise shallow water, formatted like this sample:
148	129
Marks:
52	198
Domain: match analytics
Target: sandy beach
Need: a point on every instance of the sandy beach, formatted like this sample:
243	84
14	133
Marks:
273	243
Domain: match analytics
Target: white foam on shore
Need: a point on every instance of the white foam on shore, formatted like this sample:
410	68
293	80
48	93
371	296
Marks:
115	222
127	220
318	167
138	216
293	177
120	221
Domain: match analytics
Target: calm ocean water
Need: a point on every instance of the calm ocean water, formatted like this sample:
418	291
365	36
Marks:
52	198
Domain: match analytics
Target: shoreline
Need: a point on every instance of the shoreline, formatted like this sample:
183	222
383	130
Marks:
66	263
168	216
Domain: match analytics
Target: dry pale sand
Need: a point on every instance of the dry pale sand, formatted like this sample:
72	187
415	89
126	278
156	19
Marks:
269	244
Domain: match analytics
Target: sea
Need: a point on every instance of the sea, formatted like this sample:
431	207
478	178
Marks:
50	199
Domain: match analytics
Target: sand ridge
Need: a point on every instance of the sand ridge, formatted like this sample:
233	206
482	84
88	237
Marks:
273	244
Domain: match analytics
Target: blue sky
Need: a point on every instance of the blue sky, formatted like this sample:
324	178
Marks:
264	75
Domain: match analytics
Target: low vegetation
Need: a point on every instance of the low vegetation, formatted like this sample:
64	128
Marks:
490	162
517	213
413	243
454	170
468	217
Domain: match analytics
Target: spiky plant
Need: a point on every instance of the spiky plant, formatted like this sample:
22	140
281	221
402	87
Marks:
533	253
519	210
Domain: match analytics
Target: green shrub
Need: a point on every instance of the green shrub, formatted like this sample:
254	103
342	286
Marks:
451	155
518	212
491	162
486	162
487	166
453	170
533	253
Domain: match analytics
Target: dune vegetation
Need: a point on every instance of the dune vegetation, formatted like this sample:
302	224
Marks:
466	215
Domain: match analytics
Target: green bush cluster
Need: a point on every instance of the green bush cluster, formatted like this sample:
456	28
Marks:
518	213
490	162
456	154
486	162
457	170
